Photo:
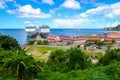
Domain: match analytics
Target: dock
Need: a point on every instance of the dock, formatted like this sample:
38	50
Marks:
38	37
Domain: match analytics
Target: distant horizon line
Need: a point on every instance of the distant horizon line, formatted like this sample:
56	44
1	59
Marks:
56	28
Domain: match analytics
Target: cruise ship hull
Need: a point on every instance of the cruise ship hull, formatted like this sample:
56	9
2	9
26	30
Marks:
44	35
44	31
31	33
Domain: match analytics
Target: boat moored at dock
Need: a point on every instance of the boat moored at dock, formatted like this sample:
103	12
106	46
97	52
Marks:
30	30
44	31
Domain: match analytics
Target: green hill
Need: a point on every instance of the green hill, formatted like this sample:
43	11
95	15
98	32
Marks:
113	28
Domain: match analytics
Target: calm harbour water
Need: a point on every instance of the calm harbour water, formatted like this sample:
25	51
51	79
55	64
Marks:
21	36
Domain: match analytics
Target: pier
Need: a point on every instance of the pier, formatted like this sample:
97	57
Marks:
38	37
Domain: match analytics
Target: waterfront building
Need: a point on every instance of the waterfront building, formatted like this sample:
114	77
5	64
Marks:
113	35
53	38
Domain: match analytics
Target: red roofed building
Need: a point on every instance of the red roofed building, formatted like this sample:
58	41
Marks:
53	38
66	38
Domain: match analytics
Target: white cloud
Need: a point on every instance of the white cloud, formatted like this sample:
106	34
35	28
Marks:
68	22
9	0
112	24
50	2
98	10
52	11
29	23
109	11
28	11
71	4
2	4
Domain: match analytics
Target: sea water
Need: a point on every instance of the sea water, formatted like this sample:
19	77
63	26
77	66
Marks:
21	36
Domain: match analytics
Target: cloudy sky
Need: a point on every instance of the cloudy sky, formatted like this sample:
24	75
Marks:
59	13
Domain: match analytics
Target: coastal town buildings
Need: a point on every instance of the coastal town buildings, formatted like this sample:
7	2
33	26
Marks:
53	38
113	35
81	39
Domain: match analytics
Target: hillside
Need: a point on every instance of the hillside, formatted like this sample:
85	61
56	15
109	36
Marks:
113	28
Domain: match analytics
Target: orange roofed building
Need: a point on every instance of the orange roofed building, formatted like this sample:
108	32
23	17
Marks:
113	35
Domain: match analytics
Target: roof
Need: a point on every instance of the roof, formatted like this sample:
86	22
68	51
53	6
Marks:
67	38
114	34
52	37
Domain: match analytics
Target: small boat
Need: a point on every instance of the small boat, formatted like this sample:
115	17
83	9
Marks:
30	30
79	30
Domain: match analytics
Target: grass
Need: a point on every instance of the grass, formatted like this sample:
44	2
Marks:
41	49
40	52
90	52
43	52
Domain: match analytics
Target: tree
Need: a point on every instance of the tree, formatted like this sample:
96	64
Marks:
110	57
19	65
109	45
38	41
77	59
113	71
7	42
45	42
113	41
31	42
57	60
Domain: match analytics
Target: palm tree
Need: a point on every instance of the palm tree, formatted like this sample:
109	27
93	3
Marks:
20	65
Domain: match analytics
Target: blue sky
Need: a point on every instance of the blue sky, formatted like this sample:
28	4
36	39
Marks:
59	13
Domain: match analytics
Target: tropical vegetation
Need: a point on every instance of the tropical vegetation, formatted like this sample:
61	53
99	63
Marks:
71	64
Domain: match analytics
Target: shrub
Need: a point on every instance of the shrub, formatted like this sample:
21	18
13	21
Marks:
57	60
19	65
38	41
110	57
7	42
31	42
45	42
77	59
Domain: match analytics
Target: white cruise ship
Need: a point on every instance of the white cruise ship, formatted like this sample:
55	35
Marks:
44	31
30	30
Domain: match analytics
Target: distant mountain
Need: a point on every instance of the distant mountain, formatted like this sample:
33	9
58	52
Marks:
113	28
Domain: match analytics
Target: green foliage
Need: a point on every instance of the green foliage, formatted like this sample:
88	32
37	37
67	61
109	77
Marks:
110	57
31	42
69	43
7	42
19	65
57	60
110	72
113	41
114	28
45	42
99	44
77	59
39	41
113	71
109	46
71	59
71	64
